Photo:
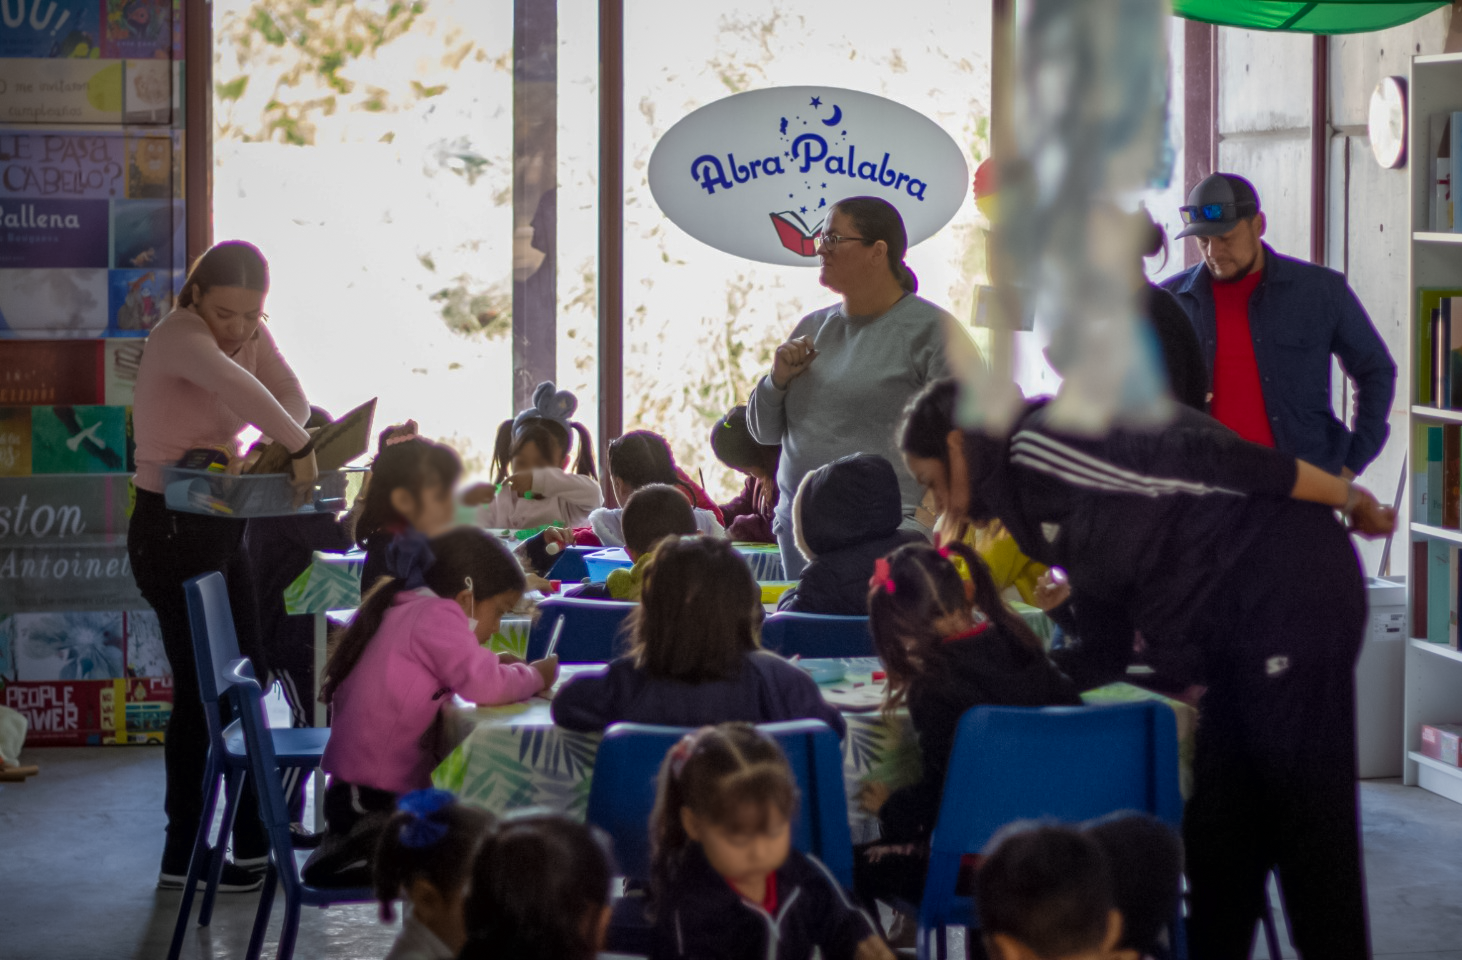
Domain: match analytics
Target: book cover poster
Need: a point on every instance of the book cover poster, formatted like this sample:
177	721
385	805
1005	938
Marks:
52	28
7	650
59	165
49	304
78	439
154	167
44	233
50	372
68	646
146	656
138	299
15	442
60	91
147	234
123	358
138	29
151	91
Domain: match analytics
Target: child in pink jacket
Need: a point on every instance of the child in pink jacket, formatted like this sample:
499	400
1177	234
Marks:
416	640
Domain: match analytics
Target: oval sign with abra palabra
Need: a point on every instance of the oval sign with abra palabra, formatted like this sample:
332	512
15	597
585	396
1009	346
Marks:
754	174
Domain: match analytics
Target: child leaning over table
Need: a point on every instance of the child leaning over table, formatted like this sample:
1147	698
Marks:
748	516
947	645
652	514
530	460
416	640
845	516
695	656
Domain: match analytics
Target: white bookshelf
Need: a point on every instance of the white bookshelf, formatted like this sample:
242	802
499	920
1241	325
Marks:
1433	675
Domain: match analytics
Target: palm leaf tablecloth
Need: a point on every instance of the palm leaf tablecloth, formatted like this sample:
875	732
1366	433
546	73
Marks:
512	757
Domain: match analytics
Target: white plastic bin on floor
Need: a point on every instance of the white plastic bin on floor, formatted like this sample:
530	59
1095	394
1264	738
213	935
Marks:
1379	686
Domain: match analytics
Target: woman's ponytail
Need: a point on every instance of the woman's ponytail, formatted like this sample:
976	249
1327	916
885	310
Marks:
906	277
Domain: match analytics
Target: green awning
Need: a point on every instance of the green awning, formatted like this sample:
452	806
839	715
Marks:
1322	16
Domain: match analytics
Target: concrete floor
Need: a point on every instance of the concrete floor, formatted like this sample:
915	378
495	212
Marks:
79	849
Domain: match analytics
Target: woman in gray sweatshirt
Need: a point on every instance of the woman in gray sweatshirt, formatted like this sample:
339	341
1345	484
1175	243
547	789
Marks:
872	353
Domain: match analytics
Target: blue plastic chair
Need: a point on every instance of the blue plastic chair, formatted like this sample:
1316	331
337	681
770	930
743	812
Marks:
817	636
215	646
284	861
591	629
1060	763
622	796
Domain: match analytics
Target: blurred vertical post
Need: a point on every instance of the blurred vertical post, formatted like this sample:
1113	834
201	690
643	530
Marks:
198	123
535	207
1006	318
611	231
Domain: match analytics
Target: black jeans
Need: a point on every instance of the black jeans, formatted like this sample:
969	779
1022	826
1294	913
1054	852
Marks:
1274	770
168	548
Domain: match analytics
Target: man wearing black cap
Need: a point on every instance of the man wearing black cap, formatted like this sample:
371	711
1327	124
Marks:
1268	325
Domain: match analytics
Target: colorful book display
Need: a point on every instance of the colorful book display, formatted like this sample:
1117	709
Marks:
92	254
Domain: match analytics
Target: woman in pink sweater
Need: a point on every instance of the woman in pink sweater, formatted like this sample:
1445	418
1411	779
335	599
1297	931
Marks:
210	369
416	640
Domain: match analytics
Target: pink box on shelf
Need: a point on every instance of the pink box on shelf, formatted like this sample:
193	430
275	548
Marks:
1440	741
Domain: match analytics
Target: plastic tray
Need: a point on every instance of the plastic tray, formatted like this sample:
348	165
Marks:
601	562
216	494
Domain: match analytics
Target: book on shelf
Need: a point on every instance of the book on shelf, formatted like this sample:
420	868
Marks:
1455	146
1451	475
1417	465
1438	591
1429	304
1440	212
1418	588
1443	594
1435	447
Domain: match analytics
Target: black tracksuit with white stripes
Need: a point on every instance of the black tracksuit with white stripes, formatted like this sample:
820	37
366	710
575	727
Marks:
703	918
1188	534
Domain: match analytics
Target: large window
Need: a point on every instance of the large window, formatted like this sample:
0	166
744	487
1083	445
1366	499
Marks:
700	325
424	180
400	165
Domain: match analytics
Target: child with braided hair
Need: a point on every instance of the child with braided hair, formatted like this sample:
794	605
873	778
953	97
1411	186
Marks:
948	644
725	880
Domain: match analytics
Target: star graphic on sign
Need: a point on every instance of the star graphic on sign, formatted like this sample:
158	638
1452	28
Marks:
804	209
817	101
824	186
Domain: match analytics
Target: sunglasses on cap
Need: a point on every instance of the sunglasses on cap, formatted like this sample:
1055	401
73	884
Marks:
1215	212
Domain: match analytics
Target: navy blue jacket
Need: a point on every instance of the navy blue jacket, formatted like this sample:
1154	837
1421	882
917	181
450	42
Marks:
1299	316
704	919
768	689
846	515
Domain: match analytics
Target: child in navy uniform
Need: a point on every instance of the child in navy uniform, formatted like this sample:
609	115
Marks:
410	494
845	516
1045	893
726	883
424	857
540	891
748	516
695	656
948	645
652	514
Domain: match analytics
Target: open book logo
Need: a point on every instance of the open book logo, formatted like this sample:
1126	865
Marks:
789	154
795	234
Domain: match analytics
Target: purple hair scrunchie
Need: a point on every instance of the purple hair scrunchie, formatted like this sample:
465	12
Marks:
409	557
